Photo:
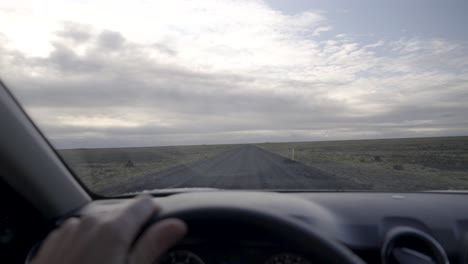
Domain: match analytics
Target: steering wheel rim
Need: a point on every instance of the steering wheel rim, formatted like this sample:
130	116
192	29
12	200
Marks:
292	232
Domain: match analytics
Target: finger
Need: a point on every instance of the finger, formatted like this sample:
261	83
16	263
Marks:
156	240
135	215
54	241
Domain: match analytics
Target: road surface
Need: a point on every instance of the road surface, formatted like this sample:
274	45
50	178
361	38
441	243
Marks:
244	167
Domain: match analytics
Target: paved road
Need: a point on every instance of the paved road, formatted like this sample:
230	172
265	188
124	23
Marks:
244	167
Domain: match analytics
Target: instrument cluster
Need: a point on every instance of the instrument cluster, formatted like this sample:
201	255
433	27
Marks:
189	257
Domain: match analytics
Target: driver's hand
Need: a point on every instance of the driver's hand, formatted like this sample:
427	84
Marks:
109	237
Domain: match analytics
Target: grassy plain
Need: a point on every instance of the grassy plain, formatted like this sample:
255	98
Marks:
101	167
387	164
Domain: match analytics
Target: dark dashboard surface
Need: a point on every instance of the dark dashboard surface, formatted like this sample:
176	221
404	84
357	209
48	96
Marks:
361	221
364	219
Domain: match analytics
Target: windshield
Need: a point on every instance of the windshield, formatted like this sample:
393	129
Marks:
274	94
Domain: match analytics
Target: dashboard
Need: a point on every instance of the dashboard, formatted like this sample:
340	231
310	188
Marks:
378	227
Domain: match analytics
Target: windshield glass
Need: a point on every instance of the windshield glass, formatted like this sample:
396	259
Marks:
274	94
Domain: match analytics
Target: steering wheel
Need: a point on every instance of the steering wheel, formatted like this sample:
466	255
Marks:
290	232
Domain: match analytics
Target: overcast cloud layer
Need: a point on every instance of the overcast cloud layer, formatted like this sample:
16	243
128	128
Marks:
142	73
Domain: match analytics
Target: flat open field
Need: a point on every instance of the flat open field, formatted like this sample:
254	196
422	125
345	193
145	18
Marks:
387	164
242	167
103	167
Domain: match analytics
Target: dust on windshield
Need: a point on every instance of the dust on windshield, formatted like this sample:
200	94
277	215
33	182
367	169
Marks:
251	94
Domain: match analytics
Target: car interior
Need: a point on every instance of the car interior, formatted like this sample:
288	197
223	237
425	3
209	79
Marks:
38	191
278	131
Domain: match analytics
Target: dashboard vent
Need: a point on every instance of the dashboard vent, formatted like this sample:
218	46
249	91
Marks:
406	245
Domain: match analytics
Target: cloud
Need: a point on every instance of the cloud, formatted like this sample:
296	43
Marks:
228	72
110	40
76	32
319	30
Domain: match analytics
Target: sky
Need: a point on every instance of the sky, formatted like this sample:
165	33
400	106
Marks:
148	73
